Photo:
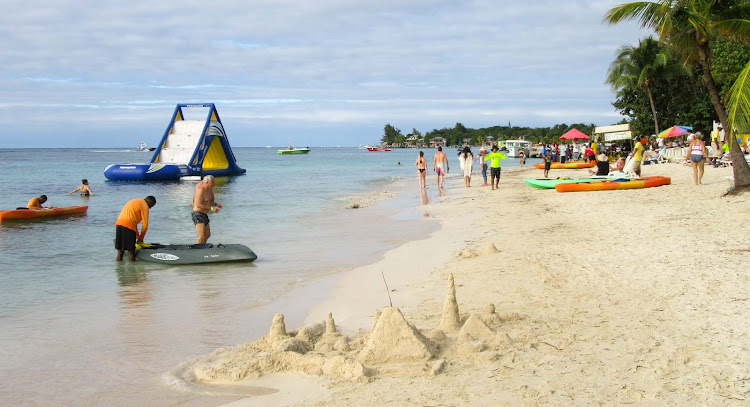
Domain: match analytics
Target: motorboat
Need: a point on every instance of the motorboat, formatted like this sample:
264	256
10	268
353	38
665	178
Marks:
515	146
291	150
378	149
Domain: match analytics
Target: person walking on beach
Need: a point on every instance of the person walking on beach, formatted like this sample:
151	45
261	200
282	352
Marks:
421	170
483	164
466	158
547	163
84	188
203	203
126	227
521	157
440	166
698	153
495	158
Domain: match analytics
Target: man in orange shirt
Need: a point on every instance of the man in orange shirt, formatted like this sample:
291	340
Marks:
36	203
135	211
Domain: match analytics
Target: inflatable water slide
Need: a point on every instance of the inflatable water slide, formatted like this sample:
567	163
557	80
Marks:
189	148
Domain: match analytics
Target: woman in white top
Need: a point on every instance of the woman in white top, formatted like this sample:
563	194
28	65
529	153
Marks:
698	153
466	158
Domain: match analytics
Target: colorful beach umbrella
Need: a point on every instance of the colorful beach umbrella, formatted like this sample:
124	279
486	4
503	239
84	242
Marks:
674	131
573	134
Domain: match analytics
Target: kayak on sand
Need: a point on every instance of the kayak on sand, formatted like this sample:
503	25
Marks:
637	183
546	183
570	165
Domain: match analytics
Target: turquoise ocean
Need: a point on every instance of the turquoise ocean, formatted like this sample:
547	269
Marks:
78	328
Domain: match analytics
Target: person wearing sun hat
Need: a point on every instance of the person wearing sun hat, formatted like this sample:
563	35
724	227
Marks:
483	163
602	165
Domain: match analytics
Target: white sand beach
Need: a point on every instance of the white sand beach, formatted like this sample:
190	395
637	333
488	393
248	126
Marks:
600	298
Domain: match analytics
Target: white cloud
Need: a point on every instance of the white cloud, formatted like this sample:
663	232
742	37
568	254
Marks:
419	63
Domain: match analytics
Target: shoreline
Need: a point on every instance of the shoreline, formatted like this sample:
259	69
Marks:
597	291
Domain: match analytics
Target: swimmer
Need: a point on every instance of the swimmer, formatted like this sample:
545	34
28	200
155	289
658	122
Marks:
84	188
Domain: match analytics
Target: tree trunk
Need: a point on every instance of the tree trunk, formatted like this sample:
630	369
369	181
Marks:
653	109
740	168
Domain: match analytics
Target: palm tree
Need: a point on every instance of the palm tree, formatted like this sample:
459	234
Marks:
739	101
638	67
689	27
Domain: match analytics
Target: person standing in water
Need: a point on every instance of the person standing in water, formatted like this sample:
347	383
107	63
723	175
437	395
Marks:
440	166
421	170
203	203
83	188
126	227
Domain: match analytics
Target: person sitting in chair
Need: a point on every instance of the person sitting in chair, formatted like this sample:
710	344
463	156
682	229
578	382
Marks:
619	165
602	165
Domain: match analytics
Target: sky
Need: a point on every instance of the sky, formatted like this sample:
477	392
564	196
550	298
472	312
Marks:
108	73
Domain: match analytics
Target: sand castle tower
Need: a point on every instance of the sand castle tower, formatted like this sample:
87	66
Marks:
450	322
393	340
278	328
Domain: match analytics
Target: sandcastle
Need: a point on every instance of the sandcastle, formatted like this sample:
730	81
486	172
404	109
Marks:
392	345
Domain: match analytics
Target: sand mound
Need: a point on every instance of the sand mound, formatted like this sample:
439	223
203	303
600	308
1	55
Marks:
490	249
466	254
475	328
395	341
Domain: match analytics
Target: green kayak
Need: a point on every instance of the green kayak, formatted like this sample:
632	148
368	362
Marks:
545	183
194	253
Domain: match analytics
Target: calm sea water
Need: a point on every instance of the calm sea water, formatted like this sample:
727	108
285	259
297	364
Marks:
78	328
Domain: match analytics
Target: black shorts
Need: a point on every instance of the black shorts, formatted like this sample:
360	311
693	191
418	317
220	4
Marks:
125	239
495	172
200	217
547	165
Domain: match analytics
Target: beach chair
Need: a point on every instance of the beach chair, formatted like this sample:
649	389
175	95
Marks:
627	170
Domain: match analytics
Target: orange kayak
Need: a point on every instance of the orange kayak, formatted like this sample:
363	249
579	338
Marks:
622	183
570	165
25	214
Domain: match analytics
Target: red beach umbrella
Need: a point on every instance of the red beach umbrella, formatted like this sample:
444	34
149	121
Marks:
573	134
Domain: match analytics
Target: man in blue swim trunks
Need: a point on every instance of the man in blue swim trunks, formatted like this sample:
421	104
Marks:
203	203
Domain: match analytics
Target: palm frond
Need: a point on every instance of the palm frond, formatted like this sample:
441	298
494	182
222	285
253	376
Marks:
736	27
649	14
739	102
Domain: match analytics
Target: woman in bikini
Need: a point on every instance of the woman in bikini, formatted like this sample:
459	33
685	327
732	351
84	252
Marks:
421	169
84	189
698	153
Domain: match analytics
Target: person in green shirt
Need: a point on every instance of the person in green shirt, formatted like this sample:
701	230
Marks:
495	158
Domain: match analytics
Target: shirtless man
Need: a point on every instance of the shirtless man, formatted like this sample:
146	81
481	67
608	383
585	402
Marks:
440	166
203	203
421	169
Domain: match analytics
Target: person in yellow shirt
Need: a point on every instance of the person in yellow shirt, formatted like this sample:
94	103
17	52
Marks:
36	203
637	157
126	227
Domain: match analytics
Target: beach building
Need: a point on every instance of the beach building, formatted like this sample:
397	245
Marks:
438	142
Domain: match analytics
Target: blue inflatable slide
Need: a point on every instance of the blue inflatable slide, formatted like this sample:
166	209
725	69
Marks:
189	148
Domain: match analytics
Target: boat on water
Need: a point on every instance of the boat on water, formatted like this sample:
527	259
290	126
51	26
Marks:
187	148
27	214
142	146
194	253
292	150
515	146
546	183
378	149
620	183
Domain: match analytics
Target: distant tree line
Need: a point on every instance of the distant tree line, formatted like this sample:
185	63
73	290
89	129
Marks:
455	136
